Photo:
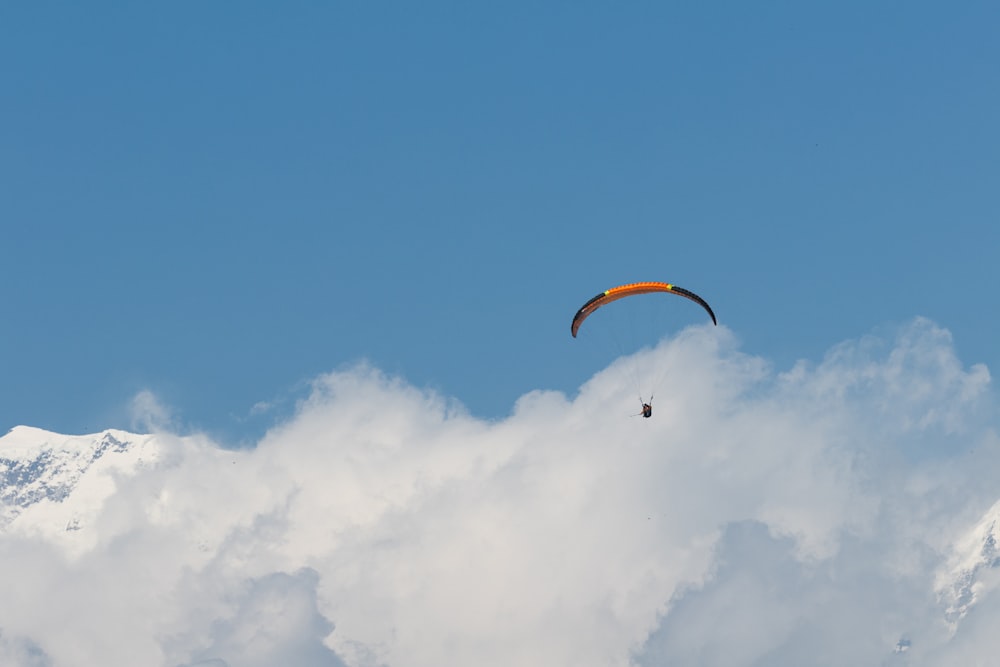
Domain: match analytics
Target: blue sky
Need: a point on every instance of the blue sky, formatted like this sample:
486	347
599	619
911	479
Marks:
218	203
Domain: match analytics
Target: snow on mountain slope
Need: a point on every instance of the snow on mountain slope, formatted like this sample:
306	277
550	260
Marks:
972	570
40	472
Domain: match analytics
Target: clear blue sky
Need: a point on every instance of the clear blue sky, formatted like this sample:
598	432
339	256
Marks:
217	202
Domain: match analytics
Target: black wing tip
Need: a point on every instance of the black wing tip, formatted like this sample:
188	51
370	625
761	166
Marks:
581	314
697	299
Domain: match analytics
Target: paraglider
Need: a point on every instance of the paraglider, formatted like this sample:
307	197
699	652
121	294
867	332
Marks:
633	289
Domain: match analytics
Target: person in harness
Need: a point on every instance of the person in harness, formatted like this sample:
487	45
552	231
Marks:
647	408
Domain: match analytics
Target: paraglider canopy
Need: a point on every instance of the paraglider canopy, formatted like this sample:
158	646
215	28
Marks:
632	289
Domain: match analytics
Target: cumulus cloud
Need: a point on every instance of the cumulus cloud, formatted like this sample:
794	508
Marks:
276	622
760	518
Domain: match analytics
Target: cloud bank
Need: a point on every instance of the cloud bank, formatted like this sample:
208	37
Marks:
837	513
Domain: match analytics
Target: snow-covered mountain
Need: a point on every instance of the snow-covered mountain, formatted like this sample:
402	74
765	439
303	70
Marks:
63	480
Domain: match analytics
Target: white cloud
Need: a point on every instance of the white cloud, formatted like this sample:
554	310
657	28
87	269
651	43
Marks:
149	414
276	623
759	518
